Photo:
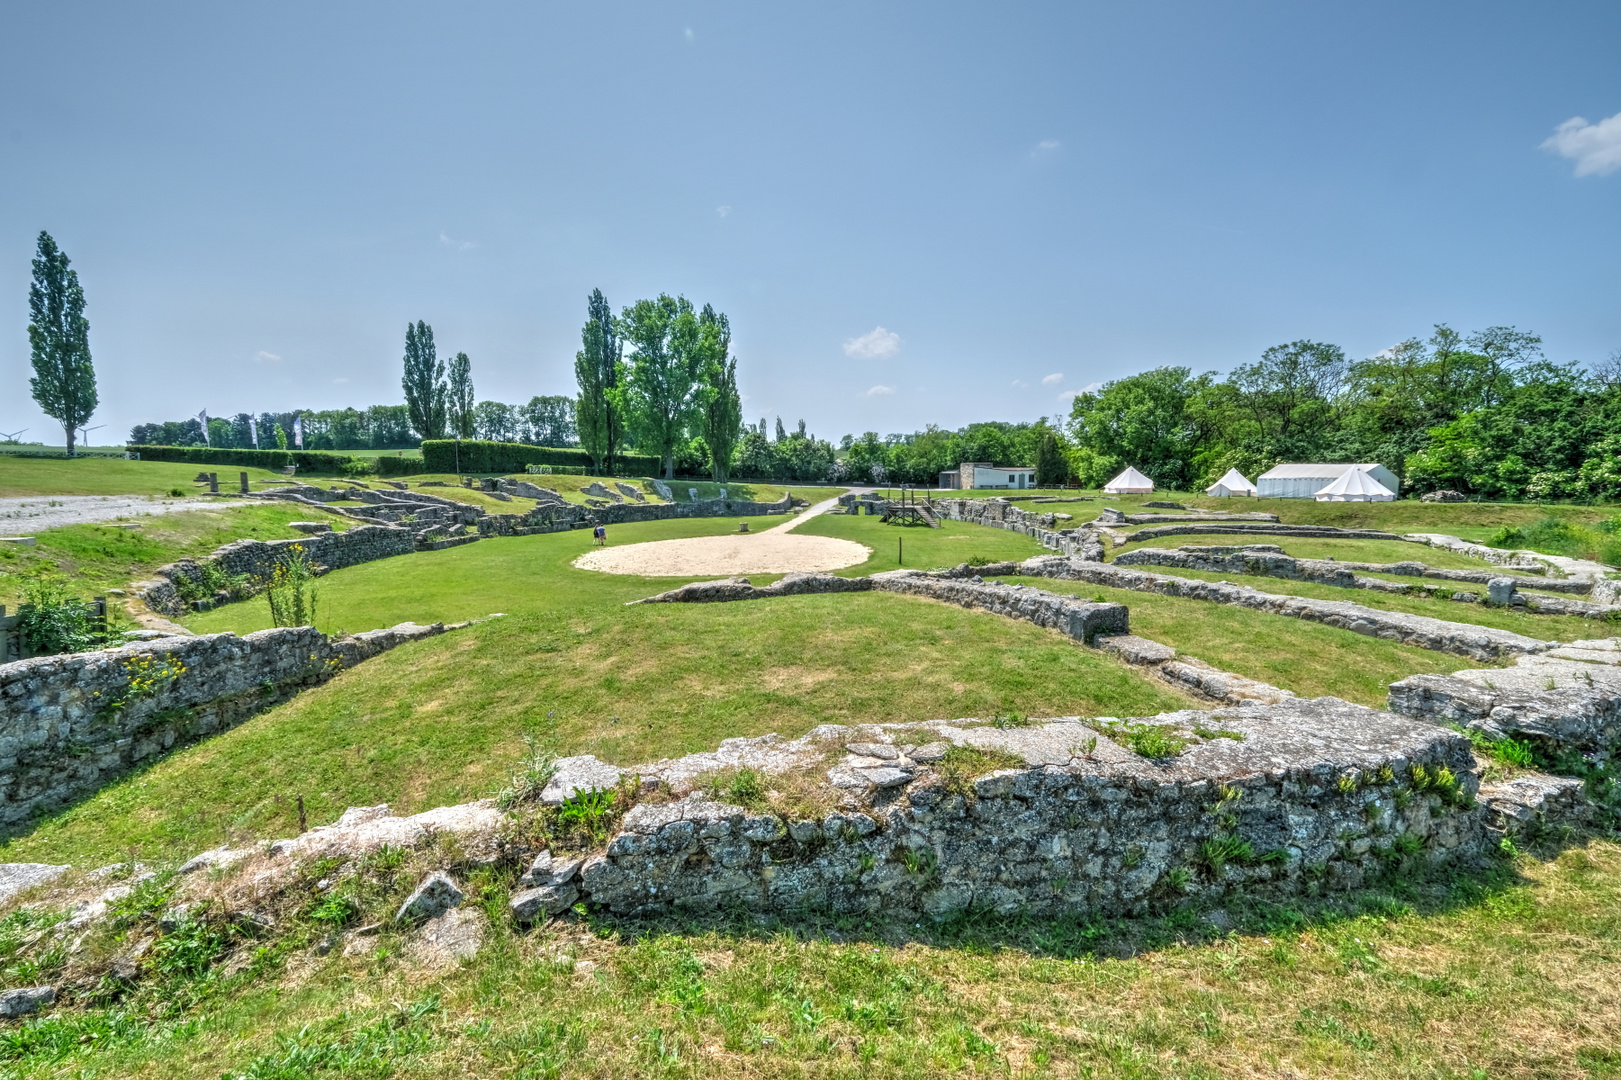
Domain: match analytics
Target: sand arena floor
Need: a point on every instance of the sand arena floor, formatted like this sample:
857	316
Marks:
774	551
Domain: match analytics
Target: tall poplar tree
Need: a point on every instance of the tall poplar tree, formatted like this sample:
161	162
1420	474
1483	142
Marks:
64	382
599	415
424	382
662	378
461	396
722	405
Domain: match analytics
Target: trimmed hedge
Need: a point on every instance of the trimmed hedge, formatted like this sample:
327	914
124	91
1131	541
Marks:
480	456
306	460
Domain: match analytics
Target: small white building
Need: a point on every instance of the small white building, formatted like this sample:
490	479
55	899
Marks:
1305	481
982	475
1355	486
1130	482
1232	483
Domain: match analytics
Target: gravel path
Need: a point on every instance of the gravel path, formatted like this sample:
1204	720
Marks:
33	513
774	551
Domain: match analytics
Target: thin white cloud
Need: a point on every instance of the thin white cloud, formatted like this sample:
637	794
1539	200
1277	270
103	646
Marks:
339	381
1595	148
1091	388
875	345
457	245
880	391
262	357
1047	146
689	34
1069	395
1019	384
1054	379
722	211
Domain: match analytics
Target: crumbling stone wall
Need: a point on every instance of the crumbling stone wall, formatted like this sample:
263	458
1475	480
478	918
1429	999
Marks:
554	517
70	723
1440	635
1296	798
258	558
1082	620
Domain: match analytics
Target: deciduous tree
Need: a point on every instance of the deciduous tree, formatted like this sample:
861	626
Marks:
662	373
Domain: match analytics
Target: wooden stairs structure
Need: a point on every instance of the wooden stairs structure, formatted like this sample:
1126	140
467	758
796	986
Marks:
909	510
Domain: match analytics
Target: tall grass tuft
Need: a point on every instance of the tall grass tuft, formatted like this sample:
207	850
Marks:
290	590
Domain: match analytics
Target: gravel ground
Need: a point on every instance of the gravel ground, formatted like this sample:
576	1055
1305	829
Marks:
30	514
775	551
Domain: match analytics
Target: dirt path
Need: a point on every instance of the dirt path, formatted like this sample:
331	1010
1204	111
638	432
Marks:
30	514
775	551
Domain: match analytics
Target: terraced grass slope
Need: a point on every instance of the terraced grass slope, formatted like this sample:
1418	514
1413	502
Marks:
443	721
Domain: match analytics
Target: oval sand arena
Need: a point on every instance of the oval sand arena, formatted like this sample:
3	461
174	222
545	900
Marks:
775	551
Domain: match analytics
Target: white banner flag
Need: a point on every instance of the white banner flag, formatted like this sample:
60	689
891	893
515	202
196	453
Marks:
253	432
298	431
202	418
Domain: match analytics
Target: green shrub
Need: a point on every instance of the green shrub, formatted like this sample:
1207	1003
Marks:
312	461
51	622
480	456
359	466
1149	740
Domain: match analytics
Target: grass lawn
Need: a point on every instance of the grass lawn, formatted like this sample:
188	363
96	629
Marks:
1308	658
1509	972
953	543
96	558
111	476
1379	551
442	721
1468	520
1547	627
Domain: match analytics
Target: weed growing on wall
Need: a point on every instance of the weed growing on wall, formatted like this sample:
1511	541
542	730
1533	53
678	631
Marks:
290	590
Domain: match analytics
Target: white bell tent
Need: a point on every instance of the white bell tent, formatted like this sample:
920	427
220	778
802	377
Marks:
1130	482
1233	483
1355	485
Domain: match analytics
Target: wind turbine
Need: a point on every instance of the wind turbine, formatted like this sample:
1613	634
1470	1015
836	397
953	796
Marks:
84	433
11	437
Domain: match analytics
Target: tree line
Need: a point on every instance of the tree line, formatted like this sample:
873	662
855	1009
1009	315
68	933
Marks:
1484	413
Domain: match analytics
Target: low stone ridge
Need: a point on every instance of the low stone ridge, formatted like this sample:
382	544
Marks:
20	877
1524	802
1564	702
1080	619
1268	560
1112	516
1440	635
1242	528
579	774
25	1001
999	513
1302	795
257	559
69	723
434	896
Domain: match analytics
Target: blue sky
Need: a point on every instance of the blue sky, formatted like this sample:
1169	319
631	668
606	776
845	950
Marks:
911	213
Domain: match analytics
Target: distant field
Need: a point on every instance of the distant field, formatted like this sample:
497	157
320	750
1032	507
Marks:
112	476
95	558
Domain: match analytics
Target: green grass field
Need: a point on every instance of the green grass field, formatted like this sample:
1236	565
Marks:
1509	970
1378	551
95	558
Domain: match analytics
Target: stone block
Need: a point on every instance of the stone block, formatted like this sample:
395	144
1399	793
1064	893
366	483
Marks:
436	894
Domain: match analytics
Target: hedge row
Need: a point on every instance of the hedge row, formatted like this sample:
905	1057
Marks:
479	456
306	460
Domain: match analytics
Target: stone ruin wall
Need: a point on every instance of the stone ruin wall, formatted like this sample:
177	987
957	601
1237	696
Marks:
70	723
1300	798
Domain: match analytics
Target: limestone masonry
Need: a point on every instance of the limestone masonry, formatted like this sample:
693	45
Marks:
69	723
